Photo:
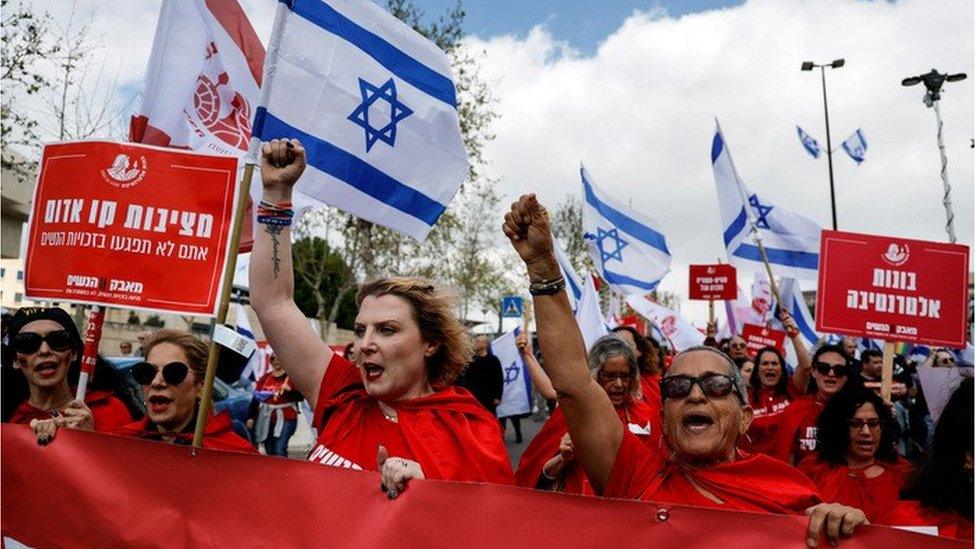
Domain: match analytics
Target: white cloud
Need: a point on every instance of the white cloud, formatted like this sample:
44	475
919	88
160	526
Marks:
640	110
640	114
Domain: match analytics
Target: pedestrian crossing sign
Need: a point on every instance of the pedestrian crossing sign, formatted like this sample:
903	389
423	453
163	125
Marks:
512	306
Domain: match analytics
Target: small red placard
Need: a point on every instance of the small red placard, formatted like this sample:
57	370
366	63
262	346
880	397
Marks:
130	225
758	337
712	282
895	289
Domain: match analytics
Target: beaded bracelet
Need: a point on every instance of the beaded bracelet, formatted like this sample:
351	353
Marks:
279	215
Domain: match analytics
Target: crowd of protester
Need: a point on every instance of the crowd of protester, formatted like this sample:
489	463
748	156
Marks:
414	397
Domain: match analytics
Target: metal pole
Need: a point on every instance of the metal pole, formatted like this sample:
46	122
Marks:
946	188
830	151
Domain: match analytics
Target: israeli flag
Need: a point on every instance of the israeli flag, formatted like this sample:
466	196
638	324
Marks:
792	241
373	103
627	247
809	143
574	285
243	326
517	390
792	296
856	146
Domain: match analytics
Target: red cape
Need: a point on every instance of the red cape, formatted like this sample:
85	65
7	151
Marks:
912	513
108	412
545	445
838	483
449	433
768	415
651	387
750	483
217	434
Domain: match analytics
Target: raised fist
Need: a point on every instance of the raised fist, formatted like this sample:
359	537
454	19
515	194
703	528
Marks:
527	228
282	163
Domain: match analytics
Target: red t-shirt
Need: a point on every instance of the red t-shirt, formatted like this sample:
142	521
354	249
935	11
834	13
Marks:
108	412
796	432
838	483
912	513
768	413
449	433
269	382
750	483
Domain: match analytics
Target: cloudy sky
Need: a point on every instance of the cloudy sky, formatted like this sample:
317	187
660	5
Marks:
632	89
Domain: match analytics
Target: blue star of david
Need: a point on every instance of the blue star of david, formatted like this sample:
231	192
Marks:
761	210
360	116
618	244
511	373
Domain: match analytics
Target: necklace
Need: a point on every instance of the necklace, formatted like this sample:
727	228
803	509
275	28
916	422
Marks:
390	415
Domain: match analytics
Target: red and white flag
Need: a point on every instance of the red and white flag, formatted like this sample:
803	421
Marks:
203	82
679	331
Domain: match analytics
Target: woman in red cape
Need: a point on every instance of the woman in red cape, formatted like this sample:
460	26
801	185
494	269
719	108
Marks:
795	435
548	461
704	410
47	350
856	463
397	399
940	492
172	382
770	393
649	362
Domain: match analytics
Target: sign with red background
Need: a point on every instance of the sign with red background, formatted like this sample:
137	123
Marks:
130	225
895	289
758	337
712	282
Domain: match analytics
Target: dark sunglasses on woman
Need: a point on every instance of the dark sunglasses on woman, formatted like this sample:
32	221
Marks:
28	343
712	384
840	370
173	373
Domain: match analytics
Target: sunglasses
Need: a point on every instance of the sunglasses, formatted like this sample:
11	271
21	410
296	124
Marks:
947	360
608	377
28	343
713	385
857	424
840	370
173	373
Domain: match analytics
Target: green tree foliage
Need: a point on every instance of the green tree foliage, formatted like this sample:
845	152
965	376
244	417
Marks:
323	281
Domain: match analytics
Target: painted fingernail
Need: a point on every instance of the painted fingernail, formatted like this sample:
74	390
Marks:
391	493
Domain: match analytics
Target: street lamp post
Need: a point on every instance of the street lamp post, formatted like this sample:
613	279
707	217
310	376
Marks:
835	64
933	81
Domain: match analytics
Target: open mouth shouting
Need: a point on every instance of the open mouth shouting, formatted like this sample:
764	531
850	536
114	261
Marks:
373	371
159	404
696	423
46	369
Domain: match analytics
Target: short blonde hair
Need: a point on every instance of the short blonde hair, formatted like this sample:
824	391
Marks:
433	311
195	350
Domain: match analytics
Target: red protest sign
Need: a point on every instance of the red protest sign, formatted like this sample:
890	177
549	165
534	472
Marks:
758	337
130	225
711	282
892	288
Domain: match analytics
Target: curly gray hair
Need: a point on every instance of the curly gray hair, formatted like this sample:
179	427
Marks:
610	346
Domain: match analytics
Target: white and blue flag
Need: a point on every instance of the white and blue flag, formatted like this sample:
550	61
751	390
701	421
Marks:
856	146
792	241
584	299
627	247
793	302
809	143
517	390
253	369
373	103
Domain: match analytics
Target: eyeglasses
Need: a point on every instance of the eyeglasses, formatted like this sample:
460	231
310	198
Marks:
946	360
609	377
713	385
857	423
28	343
173	373
840	370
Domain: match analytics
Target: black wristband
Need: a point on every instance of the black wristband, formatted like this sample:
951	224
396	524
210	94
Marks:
548	287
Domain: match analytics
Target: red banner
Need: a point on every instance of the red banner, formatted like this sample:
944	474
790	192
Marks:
130	225
758	337
712	282
895	289
96	490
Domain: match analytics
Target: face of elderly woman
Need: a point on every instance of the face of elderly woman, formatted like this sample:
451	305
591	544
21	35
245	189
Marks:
703	430
390	351
47	366
170	406
616	379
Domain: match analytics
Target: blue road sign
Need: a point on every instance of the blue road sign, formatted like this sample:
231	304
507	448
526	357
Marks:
512	306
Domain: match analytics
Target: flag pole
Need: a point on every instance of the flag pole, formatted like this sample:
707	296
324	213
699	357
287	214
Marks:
207	399
752	222
887	370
